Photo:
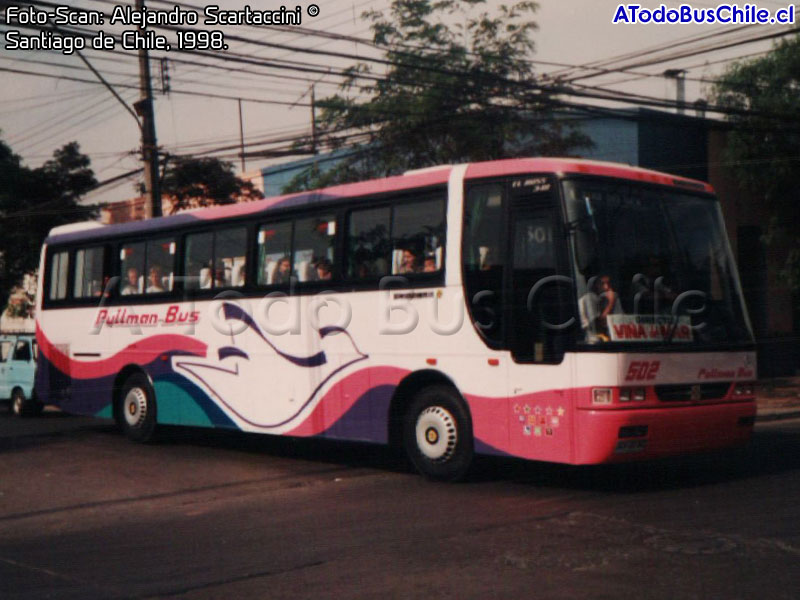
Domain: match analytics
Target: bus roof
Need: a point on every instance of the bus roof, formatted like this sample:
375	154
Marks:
418	178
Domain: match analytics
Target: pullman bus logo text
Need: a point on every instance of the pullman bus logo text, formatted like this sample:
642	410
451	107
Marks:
124	317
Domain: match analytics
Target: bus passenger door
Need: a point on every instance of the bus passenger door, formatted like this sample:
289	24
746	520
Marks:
539	317
540	287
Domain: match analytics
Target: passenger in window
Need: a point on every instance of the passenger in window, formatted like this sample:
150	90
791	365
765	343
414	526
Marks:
409	262
487	260
205	280
324	269
102	289
429	266
221	275
154	283
362	270
283	271
131	282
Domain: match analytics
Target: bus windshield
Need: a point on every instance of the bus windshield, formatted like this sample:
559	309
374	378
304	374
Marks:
652	266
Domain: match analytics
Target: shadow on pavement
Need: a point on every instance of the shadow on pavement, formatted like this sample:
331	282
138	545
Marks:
772	450
350	454
775	448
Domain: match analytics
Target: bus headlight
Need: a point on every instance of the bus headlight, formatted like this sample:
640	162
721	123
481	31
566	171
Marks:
602	395
637	394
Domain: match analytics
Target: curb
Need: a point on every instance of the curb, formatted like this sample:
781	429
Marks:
777	416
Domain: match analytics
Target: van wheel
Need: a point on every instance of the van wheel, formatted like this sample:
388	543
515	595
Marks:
22	406
136	409
437	434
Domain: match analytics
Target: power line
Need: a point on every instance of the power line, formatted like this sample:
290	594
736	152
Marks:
362	75
687	54
566	91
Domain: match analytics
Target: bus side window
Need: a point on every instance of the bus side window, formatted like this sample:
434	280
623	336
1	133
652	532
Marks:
418	236
483	257
160	266
199	254
314	242
230	252
368	243
59	269
274	248
5	350
132	269
216	259
89	279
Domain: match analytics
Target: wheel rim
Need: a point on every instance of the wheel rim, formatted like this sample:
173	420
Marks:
135	407
436	434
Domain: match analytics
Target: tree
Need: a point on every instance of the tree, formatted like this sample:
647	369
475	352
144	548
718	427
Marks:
764	142
32	202
194	182
456	87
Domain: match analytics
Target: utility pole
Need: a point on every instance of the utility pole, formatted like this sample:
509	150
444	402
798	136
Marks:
241	135
313	122
144	107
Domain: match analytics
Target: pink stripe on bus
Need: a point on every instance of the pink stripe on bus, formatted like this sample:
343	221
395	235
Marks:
139	353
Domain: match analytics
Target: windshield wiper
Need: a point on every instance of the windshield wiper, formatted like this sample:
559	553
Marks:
672	329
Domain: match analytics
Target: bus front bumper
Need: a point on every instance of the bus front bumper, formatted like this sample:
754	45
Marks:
620	435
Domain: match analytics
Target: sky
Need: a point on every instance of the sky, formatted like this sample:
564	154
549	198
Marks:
40	114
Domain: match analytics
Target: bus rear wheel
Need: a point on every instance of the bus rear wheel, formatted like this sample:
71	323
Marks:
437	434
136	409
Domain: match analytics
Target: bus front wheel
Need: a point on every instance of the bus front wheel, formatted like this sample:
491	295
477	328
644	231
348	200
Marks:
437	434
136	412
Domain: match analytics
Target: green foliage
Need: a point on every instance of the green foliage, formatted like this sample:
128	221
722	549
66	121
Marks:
764	144
457	85
194	182
33	201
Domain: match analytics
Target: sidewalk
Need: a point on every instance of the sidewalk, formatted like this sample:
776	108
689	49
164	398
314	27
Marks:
778	398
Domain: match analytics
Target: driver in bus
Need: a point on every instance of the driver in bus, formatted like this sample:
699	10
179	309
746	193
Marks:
594	307
653	291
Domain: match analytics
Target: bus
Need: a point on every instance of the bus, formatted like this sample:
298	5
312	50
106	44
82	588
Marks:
558	310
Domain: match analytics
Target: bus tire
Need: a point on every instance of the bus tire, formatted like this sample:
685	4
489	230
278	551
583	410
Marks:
437	433
22	406
136	412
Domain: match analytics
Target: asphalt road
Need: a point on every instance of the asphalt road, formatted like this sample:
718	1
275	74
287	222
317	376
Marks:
86	514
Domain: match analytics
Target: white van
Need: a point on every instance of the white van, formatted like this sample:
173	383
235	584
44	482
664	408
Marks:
17	368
